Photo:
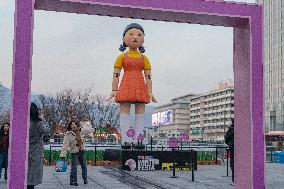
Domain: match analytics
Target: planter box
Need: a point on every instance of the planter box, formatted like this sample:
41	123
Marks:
208	162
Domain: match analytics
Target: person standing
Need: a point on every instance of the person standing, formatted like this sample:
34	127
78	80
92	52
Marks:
38	129
229	140
4	146
73	140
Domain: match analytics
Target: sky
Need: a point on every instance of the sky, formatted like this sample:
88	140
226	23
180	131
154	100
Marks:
78	51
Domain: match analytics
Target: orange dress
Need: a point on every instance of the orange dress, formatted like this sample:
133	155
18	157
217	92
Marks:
132	88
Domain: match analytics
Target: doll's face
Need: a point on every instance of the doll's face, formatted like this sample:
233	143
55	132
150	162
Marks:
134	38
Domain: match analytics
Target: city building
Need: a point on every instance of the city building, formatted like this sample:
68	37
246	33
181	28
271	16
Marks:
211	112
203	116
172	118
273	64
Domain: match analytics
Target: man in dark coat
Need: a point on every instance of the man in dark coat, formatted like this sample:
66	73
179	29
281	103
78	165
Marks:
229	140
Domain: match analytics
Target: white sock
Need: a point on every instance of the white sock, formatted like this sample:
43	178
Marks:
139	126
124	127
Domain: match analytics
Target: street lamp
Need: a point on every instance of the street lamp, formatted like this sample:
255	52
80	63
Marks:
203	132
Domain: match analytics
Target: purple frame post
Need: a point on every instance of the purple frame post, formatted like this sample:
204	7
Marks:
20	93
247	21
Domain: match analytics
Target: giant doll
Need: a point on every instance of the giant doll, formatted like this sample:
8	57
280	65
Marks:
135	86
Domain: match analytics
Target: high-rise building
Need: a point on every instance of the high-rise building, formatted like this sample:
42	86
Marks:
203	116
173	118
273	63
211	112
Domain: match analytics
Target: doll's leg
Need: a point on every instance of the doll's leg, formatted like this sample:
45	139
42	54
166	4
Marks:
125	122
139	122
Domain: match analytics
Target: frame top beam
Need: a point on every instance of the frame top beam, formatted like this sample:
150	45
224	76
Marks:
204	12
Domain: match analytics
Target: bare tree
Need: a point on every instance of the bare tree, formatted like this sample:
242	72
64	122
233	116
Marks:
103	112
79	104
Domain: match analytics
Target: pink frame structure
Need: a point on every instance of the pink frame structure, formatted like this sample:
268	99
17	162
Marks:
247	21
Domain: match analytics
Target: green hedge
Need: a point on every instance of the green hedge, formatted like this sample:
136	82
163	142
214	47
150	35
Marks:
90	155
206	155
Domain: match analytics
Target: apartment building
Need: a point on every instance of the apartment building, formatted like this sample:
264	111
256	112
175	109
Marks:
204	116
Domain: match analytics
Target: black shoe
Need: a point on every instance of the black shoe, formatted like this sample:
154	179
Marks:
86	182
74	183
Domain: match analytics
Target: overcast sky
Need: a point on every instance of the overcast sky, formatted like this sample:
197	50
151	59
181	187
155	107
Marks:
78	51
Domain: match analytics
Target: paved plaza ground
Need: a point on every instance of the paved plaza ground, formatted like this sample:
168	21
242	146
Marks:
206	177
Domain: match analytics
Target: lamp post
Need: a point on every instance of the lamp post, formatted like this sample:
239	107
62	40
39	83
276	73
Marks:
224	123
203	132
204	128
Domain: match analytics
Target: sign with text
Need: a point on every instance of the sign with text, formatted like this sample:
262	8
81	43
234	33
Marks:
169	166
157	160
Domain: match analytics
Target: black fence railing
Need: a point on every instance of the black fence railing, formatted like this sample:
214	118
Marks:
112	152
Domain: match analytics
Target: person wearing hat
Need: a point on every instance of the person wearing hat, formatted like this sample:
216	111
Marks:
136	84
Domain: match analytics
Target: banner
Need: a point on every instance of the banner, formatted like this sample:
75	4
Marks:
157	160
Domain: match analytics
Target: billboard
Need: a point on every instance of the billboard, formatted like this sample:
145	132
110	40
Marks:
162	118
156	119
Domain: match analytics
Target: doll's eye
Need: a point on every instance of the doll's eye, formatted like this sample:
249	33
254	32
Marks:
139	34
131	33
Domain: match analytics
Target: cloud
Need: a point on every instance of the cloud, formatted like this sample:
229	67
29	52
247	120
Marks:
3	3
185	58
7	5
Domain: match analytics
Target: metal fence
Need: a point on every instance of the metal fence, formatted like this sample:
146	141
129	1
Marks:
111	152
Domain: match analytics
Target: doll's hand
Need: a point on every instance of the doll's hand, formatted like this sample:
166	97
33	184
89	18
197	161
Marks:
112	95
152	98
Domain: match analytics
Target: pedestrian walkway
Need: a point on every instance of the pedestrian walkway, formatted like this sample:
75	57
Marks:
207	177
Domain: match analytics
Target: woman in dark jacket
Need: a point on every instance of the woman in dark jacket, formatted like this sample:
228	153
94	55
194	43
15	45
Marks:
4	146
38	129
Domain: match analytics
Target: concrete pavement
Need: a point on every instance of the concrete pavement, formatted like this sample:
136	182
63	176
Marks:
206	177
